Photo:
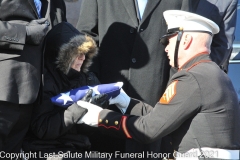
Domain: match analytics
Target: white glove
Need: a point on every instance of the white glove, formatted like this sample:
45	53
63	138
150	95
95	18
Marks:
121	101
91	117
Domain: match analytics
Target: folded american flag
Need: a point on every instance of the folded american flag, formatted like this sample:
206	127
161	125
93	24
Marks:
68	98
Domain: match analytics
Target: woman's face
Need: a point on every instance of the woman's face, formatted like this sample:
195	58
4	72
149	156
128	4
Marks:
77	64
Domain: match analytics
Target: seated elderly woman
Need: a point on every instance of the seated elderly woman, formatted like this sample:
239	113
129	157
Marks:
67	56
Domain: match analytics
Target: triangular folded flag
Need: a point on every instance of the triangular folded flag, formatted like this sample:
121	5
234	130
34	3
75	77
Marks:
68	98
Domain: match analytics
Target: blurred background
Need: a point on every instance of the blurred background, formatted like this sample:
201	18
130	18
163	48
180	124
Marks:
73	8
234	63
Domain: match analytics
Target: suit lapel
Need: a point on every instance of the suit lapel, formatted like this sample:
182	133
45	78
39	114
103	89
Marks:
151	5
33	7
130	7
203	10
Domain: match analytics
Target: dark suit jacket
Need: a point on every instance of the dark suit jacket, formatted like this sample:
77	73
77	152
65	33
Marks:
129	49
224	13
20	62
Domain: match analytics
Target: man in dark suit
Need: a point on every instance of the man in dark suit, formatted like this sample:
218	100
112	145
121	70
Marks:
21	34
128	38
223	13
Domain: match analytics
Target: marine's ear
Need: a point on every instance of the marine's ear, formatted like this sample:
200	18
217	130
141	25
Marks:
187	40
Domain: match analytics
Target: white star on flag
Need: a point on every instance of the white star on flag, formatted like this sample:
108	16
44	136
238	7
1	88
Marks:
65	97
95	90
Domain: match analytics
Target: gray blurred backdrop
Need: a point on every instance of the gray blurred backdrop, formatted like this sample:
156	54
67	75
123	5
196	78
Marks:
73	8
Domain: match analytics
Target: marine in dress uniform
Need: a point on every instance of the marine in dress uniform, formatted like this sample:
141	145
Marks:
199	108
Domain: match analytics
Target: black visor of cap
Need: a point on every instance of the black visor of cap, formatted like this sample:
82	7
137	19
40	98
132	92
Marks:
164	40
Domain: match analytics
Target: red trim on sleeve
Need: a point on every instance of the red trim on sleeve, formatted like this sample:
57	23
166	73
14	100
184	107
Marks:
124	126
107	127
122	123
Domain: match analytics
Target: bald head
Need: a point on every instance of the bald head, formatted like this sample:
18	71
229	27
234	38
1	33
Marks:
201	42
193	43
